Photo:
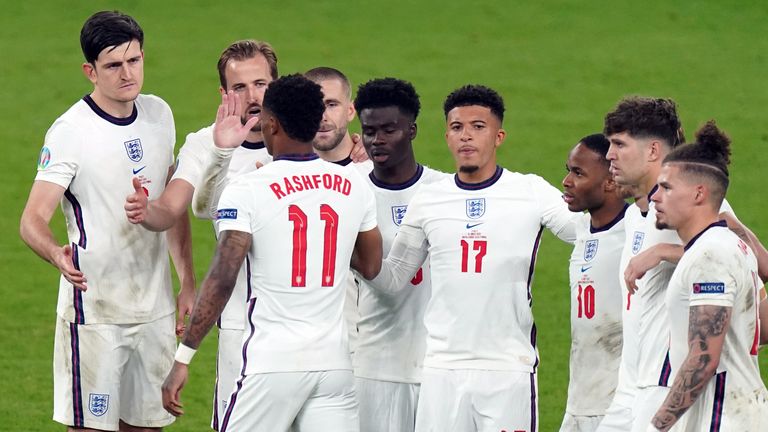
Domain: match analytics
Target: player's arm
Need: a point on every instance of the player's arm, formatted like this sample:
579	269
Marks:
215	292
405	258
162	213
763	312
555	215
367	255
748	237
648	259
707	327
35	231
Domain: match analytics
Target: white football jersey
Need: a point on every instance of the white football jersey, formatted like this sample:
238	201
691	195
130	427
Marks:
719	269
94	156
391	332
196	166
304	215
596	303
482	240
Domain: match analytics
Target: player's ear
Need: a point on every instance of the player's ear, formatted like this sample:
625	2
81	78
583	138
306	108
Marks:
89	70
412	130
222	91
500	135
702	194
609	184
351	112
654	150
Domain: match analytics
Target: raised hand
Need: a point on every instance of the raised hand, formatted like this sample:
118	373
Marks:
229	131
136	204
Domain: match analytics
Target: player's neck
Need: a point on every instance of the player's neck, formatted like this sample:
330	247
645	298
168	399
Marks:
697	223
648	182
607	213
480	175
290	147
254	137
112	107
397	174
338	153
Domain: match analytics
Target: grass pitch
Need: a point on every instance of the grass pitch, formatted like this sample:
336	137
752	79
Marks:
560	65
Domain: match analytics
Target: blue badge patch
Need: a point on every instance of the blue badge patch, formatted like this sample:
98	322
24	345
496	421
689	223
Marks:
637	241
398	213
44	159
98	404
134	149
709	288
226	214
590	249
475	207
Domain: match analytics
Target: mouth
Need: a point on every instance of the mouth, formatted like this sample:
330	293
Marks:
568	198
253	111
379	155
467	150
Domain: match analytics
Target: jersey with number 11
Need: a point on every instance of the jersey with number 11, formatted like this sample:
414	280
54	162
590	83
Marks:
304	215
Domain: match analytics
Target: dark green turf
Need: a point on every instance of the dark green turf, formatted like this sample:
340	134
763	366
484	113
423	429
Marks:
559	64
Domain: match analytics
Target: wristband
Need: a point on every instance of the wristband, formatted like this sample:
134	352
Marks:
184	354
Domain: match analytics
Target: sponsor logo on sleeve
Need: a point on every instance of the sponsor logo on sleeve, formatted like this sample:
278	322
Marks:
398	213
226	214
45	158
98	404
475	207
708	288
590	249
134	149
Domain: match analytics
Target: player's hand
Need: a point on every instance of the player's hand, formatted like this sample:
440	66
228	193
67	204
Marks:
228	131
63	259
136	204
172	386
358	153
185	302
638	266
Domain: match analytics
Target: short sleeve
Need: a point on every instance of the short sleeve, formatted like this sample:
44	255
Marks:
711	278
725	207
235	211
59	158
191	160
554	212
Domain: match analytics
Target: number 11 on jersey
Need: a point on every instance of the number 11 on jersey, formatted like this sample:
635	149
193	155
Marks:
299	255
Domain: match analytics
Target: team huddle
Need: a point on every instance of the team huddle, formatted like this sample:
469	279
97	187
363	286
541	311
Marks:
355	289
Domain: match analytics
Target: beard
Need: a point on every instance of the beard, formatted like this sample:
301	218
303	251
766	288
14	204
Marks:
662	225
255	128
469	169
330	143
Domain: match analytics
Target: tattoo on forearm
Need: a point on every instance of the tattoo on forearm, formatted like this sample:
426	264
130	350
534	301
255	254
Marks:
707	326
218	285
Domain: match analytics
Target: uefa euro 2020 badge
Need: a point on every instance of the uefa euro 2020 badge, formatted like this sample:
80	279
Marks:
475	207
98	404
44	159
134	150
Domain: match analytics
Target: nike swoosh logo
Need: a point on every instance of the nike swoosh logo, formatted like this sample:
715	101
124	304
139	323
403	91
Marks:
583	269
473	225
136	171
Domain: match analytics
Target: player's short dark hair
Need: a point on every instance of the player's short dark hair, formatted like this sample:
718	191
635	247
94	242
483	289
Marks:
387	92
708	158
324	73
644	117
475	95
297	103
599	144
244	50
108	29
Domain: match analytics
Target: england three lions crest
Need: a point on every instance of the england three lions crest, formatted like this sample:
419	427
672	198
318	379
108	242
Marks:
637	242
590	250
398	213
98	404
475	207
134	150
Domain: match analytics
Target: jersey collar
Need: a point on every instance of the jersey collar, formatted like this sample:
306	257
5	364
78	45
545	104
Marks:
720	223
483	184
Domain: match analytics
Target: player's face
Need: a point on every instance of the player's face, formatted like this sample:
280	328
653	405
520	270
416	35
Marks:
339	111
628	158
248	79
584	185
118	72
387	135
473	133
674	199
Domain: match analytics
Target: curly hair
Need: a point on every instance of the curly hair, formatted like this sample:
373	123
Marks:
707	158
108	29
387	92
599	144
297	103
643	117
475	95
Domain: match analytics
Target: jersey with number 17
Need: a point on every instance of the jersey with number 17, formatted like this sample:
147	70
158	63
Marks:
304	215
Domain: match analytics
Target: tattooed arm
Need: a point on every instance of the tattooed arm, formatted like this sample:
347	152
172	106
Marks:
707	326
215	291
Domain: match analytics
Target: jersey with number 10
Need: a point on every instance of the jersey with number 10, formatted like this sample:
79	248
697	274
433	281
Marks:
482	241
304	215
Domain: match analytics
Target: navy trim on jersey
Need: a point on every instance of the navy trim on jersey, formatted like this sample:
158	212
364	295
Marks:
253	145
110	118
483	184
534	402
297	157
215	420
653	191
398	186
344	162
530	297
77	301
666	371
720	223
239	386
717	405
611	224
77	393
77	209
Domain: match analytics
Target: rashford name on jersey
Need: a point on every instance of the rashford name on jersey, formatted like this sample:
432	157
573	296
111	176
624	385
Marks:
293	184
